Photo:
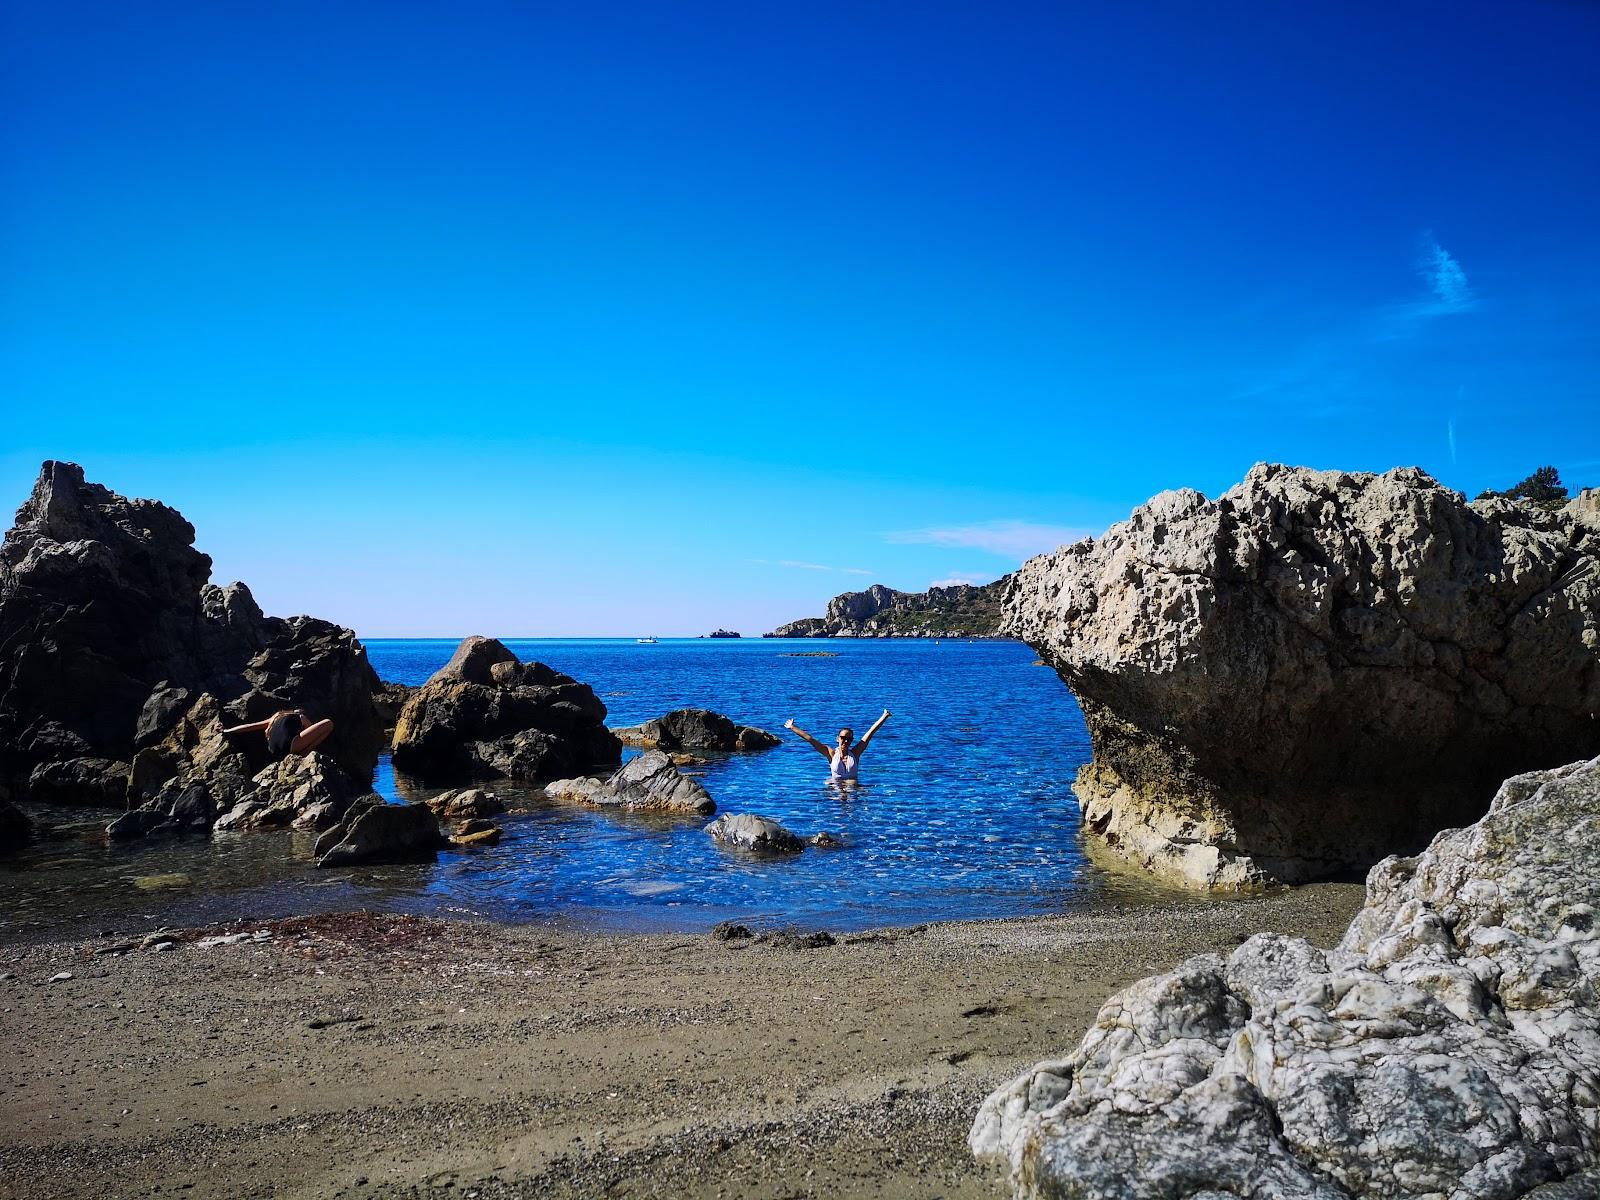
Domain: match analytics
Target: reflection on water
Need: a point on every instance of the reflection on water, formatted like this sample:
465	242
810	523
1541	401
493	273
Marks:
965	810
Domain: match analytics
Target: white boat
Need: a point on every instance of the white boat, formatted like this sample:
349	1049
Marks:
647	641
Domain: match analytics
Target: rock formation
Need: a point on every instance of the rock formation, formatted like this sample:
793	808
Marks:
961	610
375	832
649	782
1450	1045
1316	668
103	602
722	633
688	729
485	715
747	831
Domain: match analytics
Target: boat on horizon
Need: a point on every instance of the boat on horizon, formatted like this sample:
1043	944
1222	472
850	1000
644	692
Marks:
650	641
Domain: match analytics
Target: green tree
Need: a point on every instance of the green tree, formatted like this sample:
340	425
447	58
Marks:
1543	487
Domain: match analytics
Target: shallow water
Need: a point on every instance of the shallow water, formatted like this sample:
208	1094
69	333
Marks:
965	808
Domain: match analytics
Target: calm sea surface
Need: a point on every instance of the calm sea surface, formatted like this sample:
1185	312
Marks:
965	808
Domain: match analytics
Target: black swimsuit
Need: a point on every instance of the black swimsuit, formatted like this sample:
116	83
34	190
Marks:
281	734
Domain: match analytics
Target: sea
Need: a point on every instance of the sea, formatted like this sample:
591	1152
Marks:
964	809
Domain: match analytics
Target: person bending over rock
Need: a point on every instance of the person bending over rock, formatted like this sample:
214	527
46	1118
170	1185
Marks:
844	758
289	731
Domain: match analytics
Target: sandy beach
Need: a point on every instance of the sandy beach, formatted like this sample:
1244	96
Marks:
366	1055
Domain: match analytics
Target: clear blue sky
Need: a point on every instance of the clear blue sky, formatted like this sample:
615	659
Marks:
601	319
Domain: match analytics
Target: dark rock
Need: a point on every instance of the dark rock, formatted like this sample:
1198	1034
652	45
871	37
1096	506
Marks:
730	931
1265	673
824	841
110	630
91	782
722	633
16	829
389	699
375	832
306	791
486	715
695	729
135	824
648	782
478	832
747	831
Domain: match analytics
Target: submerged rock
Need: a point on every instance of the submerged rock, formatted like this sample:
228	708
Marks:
747	831
1264	674
375	832
1450	1045
648	782
484	715
688	729
109	630
463	804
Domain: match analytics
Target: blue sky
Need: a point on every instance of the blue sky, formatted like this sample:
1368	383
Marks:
610	319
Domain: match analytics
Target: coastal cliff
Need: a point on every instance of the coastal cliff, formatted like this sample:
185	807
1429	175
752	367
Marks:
1315	669
962	610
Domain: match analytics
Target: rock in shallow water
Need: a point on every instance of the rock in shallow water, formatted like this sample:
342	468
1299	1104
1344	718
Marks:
747	831
696	729
484	715
649	782
1265	673
1450	1046
375	832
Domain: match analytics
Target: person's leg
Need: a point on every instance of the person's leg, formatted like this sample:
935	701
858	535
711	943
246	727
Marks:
312	736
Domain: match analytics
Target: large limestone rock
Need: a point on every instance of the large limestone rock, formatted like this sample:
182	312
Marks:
1448	1047
485	715
1316	668
104	601
695	729
651	782
749	831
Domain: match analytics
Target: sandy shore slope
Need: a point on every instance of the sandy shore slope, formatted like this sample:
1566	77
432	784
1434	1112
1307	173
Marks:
361	1055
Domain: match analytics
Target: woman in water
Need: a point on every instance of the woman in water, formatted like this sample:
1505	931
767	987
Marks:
289	731
844	759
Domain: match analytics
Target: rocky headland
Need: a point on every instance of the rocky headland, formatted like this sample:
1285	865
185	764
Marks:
120	663
1316	668
1448	1046
962	610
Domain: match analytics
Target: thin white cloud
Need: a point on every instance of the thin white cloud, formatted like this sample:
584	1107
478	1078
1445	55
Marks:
1009	539
1444	275
795	564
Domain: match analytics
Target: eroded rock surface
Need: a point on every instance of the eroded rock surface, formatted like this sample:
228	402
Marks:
104	604
748	831
686	729
485	715
649	782
1448	1047
375	832
1316	668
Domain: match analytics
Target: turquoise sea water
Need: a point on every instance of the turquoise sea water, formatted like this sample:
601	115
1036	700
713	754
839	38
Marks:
965	807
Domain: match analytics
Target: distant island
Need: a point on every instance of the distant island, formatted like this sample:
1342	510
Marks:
962	610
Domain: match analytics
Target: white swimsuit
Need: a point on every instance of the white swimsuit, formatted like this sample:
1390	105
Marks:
842	765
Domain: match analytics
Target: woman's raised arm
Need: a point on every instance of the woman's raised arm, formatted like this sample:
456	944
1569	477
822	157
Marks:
867	736
806	737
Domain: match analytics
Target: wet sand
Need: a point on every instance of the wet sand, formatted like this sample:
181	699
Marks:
378	1055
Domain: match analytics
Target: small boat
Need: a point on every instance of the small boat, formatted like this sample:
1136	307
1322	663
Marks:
647	641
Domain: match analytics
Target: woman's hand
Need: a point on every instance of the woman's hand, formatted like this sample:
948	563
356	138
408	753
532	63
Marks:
886	715
789	724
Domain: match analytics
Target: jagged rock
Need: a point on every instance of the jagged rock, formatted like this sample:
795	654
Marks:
722	633
96	782
193	748
695	729
649	781
306	791
1449	1046
747	831
104	601
389	699
1316	668
375	832
465	804
1585	508
486	715
960	610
